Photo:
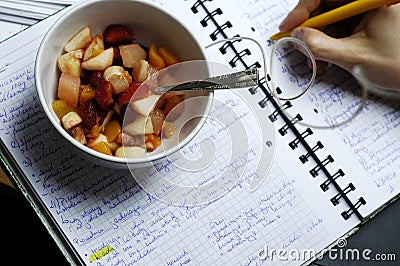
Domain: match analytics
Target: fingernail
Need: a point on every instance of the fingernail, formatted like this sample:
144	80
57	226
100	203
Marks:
297	33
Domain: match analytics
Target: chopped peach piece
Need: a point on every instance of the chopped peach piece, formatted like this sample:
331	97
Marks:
112	130
169	57
154	58
61	108
87	93
102	147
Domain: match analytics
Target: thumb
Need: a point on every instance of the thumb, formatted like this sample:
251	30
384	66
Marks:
328	49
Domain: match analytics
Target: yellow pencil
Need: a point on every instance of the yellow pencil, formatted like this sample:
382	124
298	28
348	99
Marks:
338	14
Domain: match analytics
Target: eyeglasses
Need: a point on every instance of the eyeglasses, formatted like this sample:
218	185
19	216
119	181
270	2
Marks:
328	100
325	101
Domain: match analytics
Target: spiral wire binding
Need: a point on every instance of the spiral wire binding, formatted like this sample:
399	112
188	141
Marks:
295	143
325	186
335	199
284	130
272	93
304	158
346	214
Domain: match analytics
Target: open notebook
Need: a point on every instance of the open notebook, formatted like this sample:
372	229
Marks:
318	185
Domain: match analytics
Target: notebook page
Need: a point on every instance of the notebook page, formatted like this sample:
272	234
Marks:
370	140
307	186
108	218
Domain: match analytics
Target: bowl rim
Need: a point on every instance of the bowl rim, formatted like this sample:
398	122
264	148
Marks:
56	122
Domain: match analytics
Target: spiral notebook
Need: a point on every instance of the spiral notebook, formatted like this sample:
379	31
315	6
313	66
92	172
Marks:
315	187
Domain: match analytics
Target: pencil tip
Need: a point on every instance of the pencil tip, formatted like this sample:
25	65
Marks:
279	35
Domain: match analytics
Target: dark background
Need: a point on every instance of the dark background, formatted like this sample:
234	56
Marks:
25	240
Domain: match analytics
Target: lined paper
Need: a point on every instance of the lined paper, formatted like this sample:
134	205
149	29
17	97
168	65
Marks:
108	217
370	141
111	218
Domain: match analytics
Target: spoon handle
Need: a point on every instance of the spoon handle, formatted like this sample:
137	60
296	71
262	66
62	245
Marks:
241	79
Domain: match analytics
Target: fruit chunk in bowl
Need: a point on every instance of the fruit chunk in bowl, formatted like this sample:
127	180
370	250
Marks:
105	79
151	24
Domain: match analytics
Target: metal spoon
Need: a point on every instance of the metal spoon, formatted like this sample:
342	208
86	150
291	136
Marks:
241	79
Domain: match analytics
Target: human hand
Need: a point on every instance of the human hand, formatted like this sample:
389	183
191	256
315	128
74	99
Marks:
373	45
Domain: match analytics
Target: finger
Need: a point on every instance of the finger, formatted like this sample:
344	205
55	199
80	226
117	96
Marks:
321	65
299	14
340	52
308	8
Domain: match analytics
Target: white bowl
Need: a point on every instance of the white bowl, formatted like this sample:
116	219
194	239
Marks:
151	24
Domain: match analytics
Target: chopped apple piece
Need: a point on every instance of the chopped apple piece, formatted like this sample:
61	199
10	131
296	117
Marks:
79	40
99	62
131	140
70	120
113	146
78	53
157	119
95	47
130	152
118	77
146	105
168	129
113	70
68	89
69	63
120	83
140	70
140	126
99	138
152	77
104	92
131	54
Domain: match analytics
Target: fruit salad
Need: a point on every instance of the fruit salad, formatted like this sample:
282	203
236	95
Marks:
103	97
